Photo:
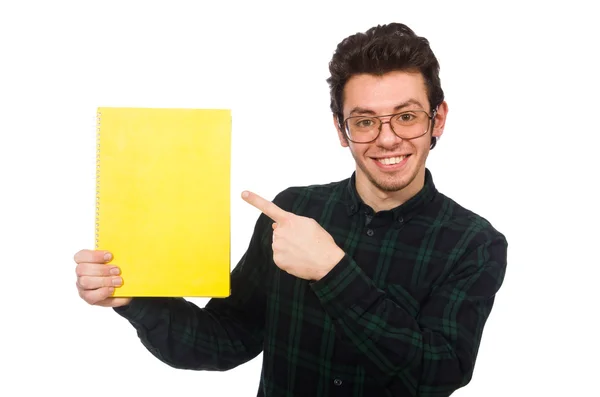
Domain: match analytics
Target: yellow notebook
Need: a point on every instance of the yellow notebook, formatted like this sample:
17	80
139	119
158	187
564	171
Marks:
163	199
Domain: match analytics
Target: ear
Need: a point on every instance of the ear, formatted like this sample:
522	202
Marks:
440	120
341	135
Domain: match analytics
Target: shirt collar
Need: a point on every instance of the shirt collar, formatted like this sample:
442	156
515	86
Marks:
402	212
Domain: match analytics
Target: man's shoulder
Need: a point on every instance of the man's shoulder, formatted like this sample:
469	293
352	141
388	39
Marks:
460	218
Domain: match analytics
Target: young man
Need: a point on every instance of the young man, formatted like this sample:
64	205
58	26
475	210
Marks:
377	285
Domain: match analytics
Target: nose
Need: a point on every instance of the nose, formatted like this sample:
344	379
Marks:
387	137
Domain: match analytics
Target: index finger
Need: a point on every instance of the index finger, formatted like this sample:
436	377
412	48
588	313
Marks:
265	206
91	256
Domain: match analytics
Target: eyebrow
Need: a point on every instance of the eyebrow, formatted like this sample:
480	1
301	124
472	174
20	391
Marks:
407	103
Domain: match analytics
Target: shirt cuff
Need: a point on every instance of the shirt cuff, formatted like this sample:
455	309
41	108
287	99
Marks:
138	309
346	287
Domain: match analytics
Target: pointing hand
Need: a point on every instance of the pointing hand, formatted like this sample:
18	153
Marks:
301	246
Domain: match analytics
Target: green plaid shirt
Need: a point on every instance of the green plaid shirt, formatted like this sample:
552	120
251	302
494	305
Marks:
401	315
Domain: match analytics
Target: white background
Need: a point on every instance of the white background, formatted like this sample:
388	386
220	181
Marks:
519	149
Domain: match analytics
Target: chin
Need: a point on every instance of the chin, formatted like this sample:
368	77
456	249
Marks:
390	185
389	182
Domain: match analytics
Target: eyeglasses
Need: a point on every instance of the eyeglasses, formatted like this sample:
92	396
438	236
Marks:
406	125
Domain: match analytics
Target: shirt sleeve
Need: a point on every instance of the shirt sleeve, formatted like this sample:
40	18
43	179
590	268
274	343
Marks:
440	343
225	333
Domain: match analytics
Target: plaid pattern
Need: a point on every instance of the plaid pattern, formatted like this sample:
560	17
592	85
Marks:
401	315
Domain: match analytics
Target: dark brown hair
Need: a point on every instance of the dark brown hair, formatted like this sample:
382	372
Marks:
379	50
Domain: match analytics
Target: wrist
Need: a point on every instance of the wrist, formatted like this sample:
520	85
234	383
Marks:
333	258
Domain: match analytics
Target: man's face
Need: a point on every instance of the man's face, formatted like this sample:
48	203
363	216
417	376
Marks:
391	93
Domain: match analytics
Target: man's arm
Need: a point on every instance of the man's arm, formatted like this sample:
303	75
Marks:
441	343
226	333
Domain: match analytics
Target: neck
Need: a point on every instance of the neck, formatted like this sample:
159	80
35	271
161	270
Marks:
382	200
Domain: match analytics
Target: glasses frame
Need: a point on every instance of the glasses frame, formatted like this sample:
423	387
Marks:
381	123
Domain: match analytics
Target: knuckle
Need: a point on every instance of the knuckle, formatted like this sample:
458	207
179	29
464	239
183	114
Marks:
79	255
84	282
79	271
85	296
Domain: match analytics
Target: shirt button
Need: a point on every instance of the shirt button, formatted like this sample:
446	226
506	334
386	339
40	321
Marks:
337	382
370	232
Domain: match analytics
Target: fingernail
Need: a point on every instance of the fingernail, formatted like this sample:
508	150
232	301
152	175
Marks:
117	281
115	271
244	194
107	256
111	289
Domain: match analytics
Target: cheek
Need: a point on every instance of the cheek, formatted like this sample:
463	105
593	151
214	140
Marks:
421	145
359	151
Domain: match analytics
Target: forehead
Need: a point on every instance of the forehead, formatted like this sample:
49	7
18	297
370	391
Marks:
382	93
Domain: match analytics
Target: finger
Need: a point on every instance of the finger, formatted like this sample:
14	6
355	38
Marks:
94	256
265	206
90	283
96	269
274	226
96	295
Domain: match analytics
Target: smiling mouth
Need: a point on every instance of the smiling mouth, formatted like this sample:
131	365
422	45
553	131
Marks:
391	160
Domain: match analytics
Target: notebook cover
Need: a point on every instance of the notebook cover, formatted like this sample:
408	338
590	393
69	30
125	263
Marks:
163	199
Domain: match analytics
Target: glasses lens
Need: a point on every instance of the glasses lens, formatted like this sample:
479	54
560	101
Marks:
362	129
407	125
411	124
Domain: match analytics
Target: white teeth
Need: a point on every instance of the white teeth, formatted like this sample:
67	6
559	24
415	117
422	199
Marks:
392	160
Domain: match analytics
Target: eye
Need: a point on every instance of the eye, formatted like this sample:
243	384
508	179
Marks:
364	123
406	117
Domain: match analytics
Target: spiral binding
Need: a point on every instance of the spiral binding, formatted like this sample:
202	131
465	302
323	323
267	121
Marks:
98	115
